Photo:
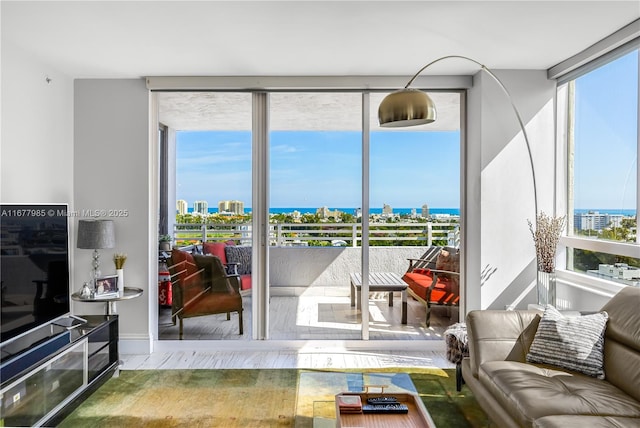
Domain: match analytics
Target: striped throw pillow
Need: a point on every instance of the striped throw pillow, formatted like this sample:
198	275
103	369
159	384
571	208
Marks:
574	343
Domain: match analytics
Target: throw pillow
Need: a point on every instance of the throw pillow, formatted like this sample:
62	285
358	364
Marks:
240	255
448	261
443	260
574	343
215	249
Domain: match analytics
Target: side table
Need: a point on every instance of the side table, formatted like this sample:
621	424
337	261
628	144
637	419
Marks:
110	308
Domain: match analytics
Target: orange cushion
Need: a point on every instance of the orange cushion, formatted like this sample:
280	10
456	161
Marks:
420	283
245	282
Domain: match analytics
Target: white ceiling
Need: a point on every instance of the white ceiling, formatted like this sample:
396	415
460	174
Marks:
126	39
93	39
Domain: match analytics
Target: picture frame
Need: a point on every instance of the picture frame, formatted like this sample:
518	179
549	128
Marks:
106	286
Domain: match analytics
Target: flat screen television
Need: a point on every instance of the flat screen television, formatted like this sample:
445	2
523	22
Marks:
34	266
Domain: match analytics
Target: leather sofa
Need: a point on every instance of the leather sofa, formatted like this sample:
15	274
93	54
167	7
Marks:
515	393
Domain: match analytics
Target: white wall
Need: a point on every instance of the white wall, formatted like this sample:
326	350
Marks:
112	170
507	254
331	266
36	140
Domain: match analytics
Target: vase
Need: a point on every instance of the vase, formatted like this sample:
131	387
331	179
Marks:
120	273
546	288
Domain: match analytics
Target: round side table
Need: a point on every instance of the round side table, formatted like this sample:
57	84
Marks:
110	301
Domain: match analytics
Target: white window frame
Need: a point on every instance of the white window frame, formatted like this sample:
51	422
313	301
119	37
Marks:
577	279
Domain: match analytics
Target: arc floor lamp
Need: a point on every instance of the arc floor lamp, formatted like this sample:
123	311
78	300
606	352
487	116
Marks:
411	107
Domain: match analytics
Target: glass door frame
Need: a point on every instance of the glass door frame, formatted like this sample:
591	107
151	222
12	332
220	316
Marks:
260	164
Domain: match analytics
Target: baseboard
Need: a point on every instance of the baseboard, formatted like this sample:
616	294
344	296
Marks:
135	345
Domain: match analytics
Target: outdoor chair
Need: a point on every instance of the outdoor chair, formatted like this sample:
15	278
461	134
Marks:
434	279
201	287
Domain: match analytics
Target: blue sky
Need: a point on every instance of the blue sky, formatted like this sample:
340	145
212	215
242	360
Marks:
606	159
314	169
409	169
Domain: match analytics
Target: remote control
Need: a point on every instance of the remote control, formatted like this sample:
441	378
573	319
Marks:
382	400
385	408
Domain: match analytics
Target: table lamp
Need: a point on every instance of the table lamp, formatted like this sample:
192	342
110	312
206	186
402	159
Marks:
95	235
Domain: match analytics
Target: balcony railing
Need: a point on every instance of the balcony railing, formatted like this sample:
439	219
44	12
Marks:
323	234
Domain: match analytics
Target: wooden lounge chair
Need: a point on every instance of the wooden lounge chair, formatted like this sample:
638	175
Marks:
434	278
202	287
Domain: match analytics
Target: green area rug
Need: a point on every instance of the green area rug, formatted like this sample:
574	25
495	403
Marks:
245	398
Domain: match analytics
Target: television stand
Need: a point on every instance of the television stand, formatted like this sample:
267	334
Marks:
47	383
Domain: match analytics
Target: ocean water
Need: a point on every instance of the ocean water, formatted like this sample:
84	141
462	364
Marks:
432	211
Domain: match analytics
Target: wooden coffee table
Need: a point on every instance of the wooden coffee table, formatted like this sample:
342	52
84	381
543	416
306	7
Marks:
379	281
316	406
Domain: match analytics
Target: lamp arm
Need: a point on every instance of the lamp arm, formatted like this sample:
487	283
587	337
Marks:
513	106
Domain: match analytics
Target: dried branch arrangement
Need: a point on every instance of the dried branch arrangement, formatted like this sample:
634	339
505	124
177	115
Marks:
119	259
545	238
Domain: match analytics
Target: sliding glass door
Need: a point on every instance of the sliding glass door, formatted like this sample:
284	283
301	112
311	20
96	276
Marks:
415	207
209	165
315	191
340	190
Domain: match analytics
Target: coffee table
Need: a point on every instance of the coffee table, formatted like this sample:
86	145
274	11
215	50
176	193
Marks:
316	408
379	281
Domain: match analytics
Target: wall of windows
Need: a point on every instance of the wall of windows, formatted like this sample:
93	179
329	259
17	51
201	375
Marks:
600	109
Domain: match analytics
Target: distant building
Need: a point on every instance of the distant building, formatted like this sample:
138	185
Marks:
232	207
425	211
386	209
201	207
325	213
358	212
593	220
414	213
181	206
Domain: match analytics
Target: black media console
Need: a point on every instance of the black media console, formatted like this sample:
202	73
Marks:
46	373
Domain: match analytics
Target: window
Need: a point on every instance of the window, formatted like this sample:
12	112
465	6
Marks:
602	141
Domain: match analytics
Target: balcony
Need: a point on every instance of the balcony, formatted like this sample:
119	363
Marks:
309	266
323	254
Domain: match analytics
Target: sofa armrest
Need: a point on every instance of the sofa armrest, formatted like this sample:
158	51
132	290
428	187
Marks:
500	335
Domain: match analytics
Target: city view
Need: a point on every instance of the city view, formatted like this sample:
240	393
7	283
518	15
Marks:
315	174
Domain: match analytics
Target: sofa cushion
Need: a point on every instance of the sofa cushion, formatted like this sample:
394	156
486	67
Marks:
563	421
528	392
240	255
574	343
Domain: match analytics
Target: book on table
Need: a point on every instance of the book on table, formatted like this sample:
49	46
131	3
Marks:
349	403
